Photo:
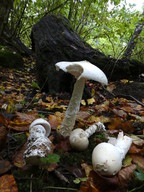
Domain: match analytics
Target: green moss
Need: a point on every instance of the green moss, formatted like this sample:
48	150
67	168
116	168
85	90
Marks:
10	59
20	138
76	158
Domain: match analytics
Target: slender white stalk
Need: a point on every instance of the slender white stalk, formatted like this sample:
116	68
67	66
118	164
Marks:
122	143
79	138
73	108
94	128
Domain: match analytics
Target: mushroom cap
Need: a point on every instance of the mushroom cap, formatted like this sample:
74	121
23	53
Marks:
83	69
78	139
106	159
42	122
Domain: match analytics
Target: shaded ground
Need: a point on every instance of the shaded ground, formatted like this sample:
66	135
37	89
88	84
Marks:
119	107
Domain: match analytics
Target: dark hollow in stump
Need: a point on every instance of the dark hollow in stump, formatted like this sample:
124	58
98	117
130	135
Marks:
54	40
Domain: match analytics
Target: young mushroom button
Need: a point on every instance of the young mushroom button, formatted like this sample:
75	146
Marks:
38	144
107	157
81	70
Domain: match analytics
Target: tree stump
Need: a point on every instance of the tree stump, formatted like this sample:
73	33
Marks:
54	40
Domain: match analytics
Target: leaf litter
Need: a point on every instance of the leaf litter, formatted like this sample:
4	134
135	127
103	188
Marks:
22	101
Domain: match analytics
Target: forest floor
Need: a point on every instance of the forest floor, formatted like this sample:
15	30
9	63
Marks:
119	106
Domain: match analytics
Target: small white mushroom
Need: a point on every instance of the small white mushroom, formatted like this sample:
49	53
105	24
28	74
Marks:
79	138
82	70
38	144
42	122
107	158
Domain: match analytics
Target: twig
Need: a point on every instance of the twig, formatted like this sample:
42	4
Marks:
61	176
60	188
126	96
131	97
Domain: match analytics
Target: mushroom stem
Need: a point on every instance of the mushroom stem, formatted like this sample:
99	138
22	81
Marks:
79	138
73	108
122	143
93	128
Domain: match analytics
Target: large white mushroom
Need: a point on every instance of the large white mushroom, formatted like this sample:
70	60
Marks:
107	157
38	144
81	70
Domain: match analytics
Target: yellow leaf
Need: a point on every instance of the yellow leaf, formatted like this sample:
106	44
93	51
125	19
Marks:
90	101
124	81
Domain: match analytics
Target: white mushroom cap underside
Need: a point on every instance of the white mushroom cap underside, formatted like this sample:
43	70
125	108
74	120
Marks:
83	69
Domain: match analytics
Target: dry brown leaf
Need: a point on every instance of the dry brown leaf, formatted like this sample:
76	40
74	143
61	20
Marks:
22	121
18	160
120	113
93	119
97	183
137	159
111	87
137	141
55	120
8	184
83	115
87	168
3	136
125	174
118	123
28	117
135	149
4	166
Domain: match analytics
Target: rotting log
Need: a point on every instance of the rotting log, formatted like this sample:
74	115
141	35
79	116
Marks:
53	40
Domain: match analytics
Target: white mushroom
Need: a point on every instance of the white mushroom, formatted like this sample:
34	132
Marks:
79	138
82	70
107	158
42	122
38	144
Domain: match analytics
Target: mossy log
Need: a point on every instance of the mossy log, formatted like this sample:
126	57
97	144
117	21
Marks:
53	40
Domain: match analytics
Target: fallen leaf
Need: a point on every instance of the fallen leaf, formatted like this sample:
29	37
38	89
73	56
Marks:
4	166
3	136
55	120
127	161
124	81
137	159
125	175
98	183
22	121
118	123
135	149
18	159
8	184
137	141
120	113
87	168
111	87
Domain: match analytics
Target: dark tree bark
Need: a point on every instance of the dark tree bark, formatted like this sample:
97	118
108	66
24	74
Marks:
132	43
14	42
54	40
5	6
6	35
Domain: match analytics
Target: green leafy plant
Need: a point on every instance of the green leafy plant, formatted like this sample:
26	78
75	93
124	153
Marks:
50	158
79	180
138	180
139	173
35	85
